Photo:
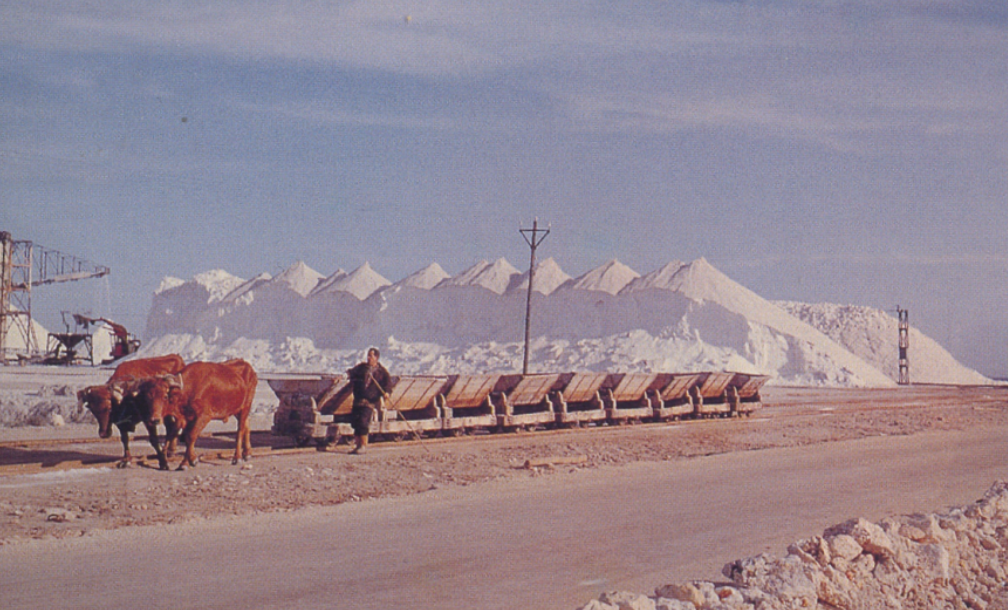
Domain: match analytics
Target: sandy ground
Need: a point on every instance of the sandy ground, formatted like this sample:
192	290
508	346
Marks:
62	481
549	542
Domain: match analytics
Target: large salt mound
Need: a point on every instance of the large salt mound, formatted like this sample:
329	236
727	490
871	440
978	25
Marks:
425	279
299	277
548	277
362	282
680	317
868	333
610	277
495	276
15	335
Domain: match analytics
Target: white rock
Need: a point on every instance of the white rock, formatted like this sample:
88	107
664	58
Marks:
729	596
844	546
933	532
933	560
627	601
664	603
873	566
789	579
686	592
870	536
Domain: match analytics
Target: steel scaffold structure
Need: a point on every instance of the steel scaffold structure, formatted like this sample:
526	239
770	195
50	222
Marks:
24	265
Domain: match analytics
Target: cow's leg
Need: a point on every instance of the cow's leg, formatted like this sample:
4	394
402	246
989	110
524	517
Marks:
243	444
172	430
192	432
247	454
152	435
127	459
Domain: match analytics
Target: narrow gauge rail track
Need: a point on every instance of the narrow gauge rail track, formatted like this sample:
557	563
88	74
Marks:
46	455
38	455
783	404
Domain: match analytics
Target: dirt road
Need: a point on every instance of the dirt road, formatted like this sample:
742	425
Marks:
552	542
460	524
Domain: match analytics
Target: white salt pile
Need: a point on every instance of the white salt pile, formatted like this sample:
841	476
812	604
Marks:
952	559
680	317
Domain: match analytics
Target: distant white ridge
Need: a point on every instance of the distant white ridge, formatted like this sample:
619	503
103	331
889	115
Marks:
680	317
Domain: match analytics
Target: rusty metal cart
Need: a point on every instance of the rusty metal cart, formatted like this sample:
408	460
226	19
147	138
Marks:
581	399
710	395
468	404
525	401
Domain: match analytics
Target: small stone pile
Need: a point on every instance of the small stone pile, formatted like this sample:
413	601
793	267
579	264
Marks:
50	407
956	559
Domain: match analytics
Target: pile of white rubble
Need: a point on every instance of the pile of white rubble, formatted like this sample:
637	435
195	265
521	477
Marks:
954	559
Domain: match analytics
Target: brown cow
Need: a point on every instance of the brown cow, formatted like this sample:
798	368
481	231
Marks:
142	368
205	391
109	405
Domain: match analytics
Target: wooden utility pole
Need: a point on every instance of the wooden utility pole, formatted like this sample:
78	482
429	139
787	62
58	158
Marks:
533	237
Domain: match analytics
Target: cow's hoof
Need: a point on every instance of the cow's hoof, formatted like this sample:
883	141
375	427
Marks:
123	465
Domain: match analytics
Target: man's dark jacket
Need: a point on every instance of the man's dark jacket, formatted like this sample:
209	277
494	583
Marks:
365	382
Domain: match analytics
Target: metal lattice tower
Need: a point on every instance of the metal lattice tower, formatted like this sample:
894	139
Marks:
15	295
904	345
24	265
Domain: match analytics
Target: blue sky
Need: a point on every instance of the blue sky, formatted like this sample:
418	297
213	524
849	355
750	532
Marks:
843	151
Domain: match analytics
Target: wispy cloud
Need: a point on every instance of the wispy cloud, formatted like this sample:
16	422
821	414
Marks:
826	71
976	260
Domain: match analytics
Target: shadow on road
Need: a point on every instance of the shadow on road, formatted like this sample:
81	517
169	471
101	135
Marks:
50	457
28	456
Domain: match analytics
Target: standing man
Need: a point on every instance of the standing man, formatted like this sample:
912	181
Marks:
370	382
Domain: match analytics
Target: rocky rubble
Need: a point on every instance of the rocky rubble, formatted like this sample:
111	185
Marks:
955	559
50	406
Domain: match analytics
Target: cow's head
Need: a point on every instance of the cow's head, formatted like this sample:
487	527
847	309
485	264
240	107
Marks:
99	400
150	398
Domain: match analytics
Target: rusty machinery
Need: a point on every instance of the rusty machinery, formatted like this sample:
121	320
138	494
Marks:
123	343
23	266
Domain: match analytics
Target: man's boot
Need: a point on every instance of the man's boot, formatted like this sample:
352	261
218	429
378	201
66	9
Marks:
357	445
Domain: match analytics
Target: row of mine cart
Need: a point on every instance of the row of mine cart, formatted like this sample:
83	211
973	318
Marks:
317	408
